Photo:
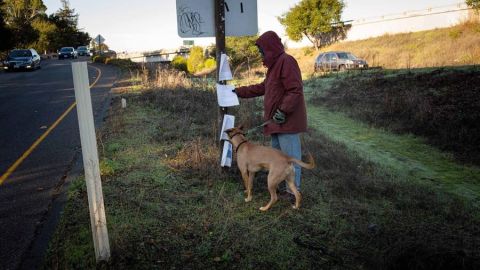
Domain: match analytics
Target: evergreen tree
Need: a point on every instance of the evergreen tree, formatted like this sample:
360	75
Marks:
5	34
67	33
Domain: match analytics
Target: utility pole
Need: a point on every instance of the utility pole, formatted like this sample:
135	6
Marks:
220	48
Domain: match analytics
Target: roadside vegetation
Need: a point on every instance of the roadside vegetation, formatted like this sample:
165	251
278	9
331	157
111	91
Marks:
25	24
452	46
170	206
439	104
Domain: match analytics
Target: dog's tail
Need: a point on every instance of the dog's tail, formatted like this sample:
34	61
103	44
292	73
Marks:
310	165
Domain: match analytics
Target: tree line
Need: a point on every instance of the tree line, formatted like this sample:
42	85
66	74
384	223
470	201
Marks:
25	24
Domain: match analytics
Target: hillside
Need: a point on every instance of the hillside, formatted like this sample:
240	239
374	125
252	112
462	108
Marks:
453	46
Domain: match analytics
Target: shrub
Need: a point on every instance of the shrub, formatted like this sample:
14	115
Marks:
180	63
121	63
99	59
307	51
195	61
210	63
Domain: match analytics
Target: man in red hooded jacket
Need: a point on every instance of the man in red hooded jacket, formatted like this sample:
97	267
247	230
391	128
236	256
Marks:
284	103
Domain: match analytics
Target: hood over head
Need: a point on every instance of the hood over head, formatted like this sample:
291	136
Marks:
272	47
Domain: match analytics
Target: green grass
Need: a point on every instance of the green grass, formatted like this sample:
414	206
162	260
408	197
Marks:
405	156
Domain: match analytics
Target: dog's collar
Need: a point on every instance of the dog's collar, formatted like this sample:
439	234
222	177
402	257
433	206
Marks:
238	133
240	144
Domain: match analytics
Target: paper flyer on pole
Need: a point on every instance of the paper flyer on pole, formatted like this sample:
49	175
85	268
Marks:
228	122
226	98
225	72
227	155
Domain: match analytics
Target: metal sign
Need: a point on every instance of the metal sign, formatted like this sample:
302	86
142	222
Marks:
196	18
99	39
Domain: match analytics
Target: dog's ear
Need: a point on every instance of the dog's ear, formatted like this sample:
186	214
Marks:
228	130
240	127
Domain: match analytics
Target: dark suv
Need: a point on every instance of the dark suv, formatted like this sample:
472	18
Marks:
341	61
26	59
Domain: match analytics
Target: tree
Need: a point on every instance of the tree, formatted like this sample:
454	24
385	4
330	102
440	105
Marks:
475	4
242	50
67	33
5	33
45	30
19	16
318	20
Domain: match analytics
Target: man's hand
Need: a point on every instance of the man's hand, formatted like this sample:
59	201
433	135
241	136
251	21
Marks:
279	117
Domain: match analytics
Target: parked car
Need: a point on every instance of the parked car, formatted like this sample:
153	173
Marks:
26	59
67	52
83	51
109	53
341	61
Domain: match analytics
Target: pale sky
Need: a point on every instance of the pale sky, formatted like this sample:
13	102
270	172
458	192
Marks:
152	24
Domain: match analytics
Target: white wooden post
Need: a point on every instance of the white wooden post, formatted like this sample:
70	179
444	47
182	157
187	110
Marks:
90	161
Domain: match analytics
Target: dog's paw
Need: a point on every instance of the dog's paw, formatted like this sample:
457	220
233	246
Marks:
264	208
248	199
295	207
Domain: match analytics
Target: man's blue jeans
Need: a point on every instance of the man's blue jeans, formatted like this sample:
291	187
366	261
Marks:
289	143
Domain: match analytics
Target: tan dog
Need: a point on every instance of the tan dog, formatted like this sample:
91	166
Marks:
252	158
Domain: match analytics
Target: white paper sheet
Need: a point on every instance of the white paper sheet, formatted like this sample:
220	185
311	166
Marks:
226	98
228	122
225	72
227	155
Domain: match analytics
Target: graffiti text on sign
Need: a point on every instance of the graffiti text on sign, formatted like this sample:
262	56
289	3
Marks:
190	21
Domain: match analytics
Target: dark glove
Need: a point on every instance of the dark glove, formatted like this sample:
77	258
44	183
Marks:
279	117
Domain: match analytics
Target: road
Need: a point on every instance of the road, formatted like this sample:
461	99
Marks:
30	102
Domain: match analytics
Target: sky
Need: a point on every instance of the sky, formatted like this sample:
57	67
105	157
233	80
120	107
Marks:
146	25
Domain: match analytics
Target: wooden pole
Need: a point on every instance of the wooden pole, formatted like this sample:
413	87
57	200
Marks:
220	48
90	161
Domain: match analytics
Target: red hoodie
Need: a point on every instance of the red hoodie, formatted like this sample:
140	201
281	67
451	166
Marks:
282	87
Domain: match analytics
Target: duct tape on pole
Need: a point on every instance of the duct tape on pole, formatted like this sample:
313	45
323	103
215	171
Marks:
90	161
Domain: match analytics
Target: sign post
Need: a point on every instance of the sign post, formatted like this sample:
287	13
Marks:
99	40
217	18
90	161
220	49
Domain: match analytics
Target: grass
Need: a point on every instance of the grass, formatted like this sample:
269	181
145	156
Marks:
404	156
452	46
169	206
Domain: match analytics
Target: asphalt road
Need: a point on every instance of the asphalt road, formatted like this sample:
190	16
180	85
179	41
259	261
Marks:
30	102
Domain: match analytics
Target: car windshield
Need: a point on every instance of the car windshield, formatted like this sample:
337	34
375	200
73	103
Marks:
343	55
66	50
352	57
20	53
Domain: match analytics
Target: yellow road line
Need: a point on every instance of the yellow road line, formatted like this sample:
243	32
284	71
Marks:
29	151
